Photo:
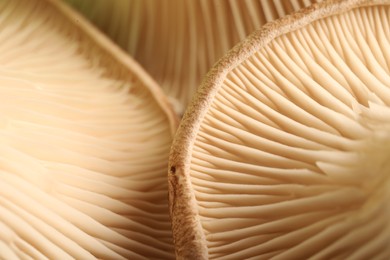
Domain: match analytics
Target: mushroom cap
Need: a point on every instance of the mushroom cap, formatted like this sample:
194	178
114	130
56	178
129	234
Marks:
284	151
177	41
84	139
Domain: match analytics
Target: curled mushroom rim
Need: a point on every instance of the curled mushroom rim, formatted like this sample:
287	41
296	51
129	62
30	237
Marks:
121	57
189	239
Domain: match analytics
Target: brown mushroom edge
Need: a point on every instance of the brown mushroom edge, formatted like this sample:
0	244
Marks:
189	238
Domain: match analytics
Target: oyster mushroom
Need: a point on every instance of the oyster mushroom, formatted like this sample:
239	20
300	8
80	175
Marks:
177	41
84	140
284	152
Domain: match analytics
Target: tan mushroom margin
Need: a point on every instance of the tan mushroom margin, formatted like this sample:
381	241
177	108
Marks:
284	152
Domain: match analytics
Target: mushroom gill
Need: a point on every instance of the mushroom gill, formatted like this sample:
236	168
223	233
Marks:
178	41
84	139
285	151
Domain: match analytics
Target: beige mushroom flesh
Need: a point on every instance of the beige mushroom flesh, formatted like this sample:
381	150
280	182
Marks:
285	151
84	141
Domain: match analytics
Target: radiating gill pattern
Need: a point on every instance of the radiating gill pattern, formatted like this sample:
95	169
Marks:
292	158
179	41
83	153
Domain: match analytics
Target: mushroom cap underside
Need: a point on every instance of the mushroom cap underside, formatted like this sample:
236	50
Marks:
284	152
84	137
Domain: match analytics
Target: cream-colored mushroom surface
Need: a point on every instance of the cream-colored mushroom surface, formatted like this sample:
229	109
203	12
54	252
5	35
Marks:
83	144
178	41
285	152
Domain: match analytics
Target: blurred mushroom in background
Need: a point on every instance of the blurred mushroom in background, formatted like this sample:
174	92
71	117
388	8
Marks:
178	41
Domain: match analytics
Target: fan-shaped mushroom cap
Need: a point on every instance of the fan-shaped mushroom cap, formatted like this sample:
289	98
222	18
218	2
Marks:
84	140
284	153
178	41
